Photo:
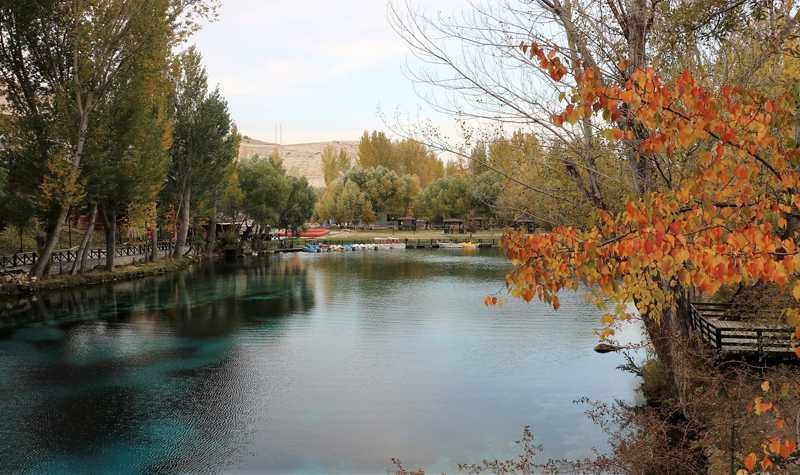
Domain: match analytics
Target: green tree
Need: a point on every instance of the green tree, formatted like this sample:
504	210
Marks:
298	204
384	188
353	205
127	155
265	187
484	192
59	62
445	198
204	141
232	197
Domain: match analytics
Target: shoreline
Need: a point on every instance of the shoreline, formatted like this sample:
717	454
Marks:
13	290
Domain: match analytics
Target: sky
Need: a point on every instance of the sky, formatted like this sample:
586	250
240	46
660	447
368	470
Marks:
322	69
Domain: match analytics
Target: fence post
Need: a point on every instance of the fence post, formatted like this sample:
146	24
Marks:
718	335
760	338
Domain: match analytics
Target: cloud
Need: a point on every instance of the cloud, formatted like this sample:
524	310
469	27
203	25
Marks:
324	65
271	76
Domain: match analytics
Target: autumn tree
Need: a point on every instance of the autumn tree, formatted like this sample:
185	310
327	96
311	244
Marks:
478	159
404	157
376	150
334	164
730	220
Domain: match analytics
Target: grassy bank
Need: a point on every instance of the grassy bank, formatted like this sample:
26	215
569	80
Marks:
13	289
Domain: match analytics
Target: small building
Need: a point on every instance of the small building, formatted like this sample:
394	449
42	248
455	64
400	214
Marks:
478	223
525	224
405	223
453	226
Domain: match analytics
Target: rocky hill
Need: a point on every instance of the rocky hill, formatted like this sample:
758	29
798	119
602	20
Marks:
299	159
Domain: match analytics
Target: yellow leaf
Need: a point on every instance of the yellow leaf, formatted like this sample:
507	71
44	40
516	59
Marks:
765	386
796	291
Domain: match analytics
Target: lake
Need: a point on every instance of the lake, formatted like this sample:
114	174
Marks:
303	363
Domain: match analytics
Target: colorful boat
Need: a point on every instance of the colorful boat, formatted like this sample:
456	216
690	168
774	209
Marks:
470	245
387	243
312	246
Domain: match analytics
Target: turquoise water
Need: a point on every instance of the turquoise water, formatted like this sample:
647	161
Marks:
300	364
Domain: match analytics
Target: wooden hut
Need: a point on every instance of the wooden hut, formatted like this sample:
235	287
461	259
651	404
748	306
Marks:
405	223
453	226
477	223
525	224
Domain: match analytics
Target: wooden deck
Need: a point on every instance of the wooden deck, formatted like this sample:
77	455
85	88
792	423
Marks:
755	338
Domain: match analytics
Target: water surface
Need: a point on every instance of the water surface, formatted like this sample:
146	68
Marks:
300	364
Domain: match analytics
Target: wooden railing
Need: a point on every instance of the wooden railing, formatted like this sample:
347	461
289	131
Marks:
744	337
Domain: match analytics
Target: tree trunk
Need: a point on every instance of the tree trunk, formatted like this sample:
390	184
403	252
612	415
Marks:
80	259
212	230
111	238
183	222
43	260
154	238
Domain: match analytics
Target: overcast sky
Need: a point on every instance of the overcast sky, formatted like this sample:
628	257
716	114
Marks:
321	68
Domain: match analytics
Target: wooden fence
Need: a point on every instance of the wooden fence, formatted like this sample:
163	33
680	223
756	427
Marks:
762	339
19	261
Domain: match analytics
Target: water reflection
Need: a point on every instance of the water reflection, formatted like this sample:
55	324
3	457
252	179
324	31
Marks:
300	363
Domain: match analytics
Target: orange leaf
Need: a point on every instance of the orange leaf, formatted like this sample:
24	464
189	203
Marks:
741	172
789	447
774	445
766	463
761	407
750	461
